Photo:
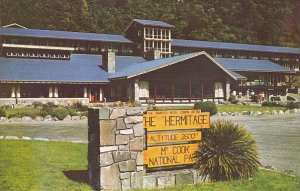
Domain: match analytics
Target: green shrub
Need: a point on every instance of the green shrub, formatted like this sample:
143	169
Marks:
37	104
48	106
21	114
84	113
232	100
72	112
2	113
272	104
43	113
59	112
292	105
5	107
254	98
84	108
51	104
79	107
132	104
227	152
207	106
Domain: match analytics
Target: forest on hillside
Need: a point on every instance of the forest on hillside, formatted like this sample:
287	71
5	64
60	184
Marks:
271	22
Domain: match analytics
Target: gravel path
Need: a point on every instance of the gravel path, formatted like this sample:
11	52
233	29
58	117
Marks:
278	136
278	139
70	131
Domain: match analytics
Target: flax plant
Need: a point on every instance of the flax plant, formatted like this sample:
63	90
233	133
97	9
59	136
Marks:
227	152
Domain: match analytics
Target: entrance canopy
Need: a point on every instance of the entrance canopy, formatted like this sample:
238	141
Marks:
138	69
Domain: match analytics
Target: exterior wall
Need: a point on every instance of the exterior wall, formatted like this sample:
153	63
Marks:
115	153
149	37
94	93
28	101
135	33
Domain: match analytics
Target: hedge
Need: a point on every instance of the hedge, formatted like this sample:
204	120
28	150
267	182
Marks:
207	106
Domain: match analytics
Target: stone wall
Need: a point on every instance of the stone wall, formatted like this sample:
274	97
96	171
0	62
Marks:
115	152
22	102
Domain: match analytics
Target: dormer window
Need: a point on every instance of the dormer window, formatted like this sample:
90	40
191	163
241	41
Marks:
33	55
11	54
22	54
54	56
45	55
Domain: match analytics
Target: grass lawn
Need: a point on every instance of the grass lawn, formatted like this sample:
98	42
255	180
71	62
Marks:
263	181
22	111
227	108
37	165
239	108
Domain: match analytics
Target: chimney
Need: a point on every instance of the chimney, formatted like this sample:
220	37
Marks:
109	61
152	54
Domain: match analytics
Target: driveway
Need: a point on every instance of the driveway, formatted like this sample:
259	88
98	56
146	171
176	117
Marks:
278	139
52	130
277	136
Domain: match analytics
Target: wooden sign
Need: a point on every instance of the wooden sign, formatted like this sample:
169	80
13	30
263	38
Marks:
171	155
175	120
173	137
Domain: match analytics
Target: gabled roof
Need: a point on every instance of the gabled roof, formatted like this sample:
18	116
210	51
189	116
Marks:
141	68
234	46
14	25
151	23
251	65
63	35
81	68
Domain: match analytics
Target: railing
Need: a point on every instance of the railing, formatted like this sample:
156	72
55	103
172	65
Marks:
259	84
180	100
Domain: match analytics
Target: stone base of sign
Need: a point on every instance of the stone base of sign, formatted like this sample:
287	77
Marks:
115	152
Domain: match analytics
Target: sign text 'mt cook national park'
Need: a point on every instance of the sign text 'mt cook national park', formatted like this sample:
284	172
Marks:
175	132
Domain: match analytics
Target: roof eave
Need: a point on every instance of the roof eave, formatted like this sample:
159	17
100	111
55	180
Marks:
175	62
240	70
66	38
53	82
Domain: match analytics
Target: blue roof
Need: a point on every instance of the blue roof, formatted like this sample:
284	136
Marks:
148	66
153	23
234	46
236	75
251	65
79	69
123	62
63	35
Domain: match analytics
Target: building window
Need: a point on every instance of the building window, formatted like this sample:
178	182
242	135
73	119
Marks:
33	55
168	34
149	33
23	54
165	34
54	56
165	47
44	55
12	54
157	45
148	45
157	34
